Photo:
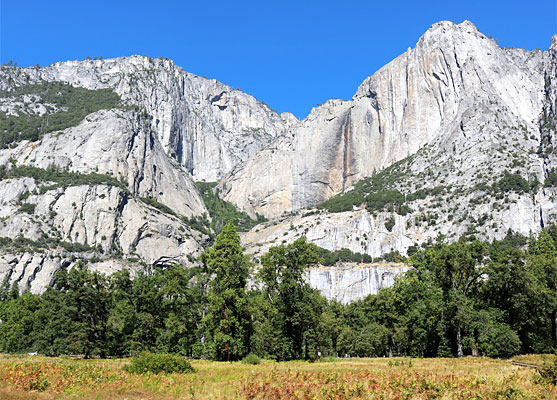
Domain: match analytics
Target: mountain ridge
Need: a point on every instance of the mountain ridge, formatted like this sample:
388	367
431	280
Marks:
455	137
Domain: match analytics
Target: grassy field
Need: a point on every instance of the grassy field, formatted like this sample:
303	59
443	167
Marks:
35	377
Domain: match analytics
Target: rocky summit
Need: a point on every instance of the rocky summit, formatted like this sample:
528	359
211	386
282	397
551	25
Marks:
120	162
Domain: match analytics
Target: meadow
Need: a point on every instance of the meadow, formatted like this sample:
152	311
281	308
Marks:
36	377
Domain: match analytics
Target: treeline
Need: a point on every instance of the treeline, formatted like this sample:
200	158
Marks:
59	177
330	258
23	244
496	298
73	105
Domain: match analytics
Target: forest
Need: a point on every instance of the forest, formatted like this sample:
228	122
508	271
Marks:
497	298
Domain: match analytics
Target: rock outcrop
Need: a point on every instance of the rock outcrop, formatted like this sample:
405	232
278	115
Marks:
348	282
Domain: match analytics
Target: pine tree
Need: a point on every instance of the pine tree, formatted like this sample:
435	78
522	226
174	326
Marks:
227	319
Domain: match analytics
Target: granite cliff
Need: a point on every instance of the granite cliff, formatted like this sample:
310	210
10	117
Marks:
456	137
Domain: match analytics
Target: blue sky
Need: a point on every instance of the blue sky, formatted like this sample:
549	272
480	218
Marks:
291	54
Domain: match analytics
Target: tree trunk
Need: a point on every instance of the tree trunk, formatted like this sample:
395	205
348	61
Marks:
555	328
459	352
391	345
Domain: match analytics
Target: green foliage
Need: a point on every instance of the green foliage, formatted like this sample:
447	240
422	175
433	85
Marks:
252	359
28	208
390	223
159	206
22	244
59	177
513	183
199	223
292	308
392	256
499	298
379	193
75	104
329	258
344	202
157	363
222	211
89	314
499	341
227	318
551	179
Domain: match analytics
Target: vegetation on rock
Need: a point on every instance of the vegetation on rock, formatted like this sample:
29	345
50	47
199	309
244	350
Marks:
222	211
72	105
59	177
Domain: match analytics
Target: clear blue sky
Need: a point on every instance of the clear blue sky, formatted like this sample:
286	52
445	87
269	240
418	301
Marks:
290	54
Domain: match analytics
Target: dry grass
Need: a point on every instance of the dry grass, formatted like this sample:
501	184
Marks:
400	378
535	359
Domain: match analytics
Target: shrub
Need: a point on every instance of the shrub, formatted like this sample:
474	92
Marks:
551	179
499	340
390	223
513	183
548	373
251	359
60	177
159	206
157	363
222	212
28	208
329	258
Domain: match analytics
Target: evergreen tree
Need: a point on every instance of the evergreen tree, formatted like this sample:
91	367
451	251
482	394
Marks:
227	319
88	300
295	307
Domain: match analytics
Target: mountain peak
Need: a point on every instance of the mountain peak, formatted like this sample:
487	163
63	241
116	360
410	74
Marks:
553	46
449	28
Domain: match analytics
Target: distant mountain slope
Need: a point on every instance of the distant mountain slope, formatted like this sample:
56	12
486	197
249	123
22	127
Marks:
206	126
455	86
98	160
102	160
473	126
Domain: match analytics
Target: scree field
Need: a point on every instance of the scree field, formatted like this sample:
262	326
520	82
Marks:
35	377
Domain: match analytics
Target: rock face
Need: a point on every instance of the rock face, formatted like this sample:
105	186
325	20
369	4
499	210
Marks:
458	132
186	128
206	126
453	74
462	116
121	144
106	218
35	271
350	282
